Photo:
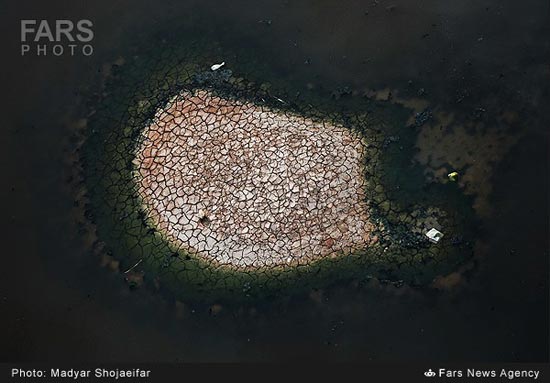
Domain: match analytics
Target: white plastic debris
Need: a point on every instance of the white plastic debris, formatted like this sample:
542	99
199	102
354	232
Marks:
434	235
217	66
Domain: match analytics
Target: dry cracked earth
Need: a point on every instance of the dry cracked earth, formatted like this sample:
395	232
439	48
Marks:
248	186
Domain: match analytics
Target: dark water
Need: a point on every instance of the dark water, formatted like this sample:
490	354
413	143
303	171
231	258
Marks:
57	303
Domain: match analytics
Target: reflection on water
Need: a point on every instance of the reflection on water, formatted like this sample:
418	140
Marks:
460	58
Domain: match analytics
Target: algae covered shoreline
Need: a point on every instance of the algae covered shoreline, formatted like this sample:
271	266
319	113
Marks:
401	204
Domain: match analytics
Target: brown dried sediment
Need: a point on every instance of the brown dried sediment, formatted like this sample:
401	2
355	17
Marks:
244	185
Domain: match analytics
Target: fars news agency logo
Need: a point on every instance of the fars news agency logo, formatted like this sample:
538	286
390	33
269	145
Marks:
56	38
429	374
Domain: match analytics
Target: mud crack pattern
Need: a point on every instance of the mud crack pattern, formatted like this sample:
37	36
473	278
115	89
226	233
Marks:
244	185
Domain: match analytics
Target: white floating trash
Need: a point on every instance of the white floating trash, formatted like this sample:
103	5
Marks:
434	235
217	66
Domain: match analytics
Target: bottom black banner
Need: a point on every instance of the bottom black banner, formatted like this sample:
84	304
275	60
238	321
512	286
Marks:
145	373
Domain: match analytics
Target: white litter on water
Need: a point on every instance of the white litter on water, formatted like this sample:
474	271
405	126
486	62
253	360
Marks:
434	235
217	66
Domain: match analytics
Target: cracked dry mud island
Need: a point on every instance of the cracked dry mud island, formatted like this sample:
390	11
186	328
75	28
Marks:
213	183
245	186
